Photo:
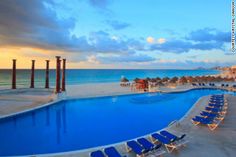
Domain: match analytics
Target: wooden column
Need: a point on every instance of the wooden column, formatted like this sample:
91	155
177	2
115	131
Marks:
64	76
14	74
58	74
47	74
32	74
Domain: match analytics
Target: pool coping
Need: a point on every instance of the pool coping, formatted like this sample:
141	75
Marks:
77	152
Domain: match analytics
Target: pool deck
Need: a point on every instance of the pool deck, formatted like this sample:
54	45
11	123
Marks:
14	101
202	142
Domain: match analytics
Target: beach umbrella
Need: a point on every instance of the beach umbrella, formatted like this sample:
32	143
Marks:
205	78
173	80
229	79
152	80
158	79
189	79
198	79
194	79
183	80
136	79
218	79
165	79
123	79
159	84
210	78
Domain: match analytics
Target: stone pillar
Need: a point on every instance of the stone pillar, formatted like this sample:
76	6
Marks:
14	74
32	74
47	74
64	76
58	74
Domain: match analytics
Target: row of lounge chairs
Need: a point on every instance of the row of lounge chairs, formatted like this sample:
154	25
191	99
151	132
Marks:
144	147
213	114
212	85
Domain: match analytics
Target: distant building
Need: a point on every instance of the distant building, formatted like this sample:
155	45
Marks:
232	71
233	67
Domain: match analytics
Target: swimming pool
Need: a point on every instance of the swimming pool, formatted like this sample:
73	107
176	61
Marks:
84	123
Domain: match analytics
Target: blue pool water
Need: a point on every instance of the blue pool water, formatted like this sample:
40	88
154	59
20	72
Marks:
84	123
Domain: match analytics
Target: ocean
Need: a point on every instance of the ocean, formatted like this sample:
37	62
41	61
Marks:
83	76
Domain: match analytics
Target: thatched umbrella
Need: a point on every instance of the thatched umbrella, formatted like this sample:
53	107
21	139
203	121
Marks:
136	79
204	79
229	79
189	78
218	79
152	80
193	79
165	79
159	84
173	80
183	80
123	79
209	78
148	79
158	79
198	78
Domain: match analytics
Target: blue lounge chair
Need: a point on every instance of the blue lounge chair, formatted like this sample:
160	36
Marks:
215	110
216	103
210	122
217	106
136	148
146	144
151	147
171	136
217	100
97	153
112	152
217	96
170	145
211	115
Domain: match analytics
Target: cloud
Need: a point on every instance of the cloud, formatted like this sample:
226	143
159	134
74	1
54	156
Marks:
202	39
102	4
103	42
181	46
117	25
92	59
209	34
161	40
33	24
150	40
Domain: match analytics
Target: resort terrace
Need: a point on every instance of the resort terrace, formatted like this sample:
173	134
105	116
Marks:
199	140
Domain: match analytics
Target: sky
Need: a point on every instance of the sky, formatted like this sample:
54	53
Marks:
121	34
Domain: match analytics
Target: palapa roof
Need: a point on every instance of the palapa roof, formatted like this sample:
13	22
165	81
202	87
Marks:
123	79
